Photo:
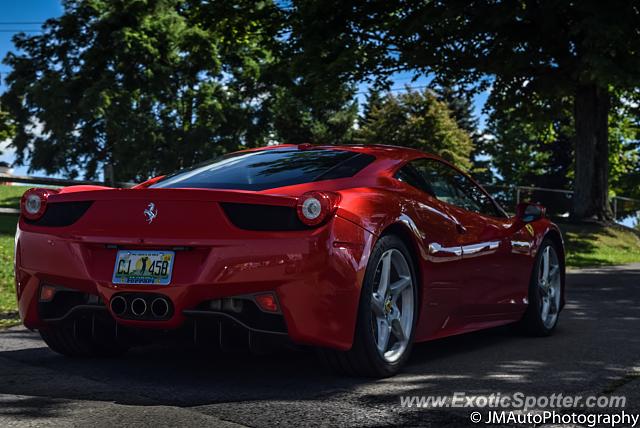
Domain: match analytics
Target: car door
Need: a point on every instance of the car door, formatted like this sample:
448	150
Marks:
484	231
438	231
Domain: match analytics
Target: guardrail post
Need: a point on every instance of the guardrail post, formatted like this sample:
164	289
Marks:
517	195
615	208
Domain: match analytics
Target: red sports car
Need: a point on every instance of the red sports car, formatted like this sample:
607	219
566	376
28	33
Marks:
358	251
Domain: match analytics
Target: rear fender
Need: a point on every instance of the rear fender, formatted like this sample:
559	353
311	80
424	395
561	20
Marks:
382	212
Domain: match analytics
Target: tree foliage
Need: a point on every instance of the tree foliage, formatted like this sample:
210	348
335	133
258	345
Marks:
586	50
461	106
416	119
304	115
145	85
7	128
532	147
536	147
624	139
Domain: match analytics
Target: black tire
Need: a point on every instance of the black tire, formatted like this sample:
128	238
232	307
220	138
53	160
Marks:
363	359
531	323
69	340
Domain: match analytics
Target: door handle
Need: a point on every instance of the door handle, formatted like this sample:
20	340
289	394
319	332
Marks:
480	249
439	254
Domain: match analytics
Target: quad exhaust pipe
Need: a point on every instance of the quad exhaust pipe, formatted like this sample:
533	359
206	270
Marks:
119	305
135	306
138	306
159	307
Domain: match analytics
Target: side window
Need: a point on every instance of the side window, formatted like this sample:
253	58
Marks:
452	187
410	175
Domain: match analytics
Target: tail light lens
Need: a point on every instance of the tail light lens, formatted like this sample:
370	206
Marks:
34	202
315	207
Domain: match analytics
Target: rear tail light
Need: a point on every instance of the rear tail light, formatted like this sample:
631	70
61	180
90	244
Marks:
34	202
316	207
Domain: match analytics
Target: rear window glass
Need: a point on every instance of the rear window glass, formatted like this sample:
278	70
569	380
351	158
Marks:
268	169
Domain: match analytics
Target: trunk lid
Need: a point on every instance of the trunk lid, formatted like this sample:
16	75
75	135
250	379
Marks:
157	216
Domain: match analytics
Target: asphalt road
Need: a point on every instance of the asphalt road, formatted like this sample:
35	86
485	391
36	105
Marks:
595	350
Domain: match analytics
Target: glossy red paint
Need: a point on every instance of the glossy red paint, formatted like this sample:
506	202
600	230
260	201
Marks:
316	273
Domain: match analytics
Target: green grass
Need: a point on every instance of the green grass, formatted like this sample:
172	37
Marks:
597	245
8	311
9	198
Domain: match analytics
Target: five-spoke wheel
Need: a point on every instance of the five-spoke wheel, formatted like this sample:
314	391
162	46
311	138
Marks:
549	286
386	316
392	303
545	292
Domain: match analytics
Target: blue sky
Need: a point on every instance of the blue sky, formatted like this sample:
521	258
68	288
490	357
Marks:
27	15
14	15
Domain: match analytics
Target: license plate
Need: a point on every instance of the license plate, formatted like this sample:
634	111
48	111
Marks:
143	267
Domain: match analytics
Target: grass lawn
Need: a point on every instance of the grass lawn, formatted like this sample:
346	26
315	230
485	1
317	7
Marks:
595	245
10	195
8	312
9	198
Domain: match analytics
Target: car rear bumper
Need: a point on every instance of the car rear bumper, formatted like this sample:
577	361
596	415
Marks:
315	275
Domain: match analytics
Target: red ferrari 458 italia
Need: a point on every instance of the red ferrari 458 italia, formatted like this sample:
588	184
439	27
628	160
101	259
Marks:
358	251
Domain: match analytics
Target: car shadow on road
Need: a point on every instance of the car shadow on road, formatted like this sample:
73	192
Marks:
166	375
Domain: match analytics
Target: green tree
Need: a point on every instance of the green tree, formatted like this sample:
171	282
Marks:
313	102
7	128
460	103
534	146
624	153
586	50
580	49
306	114
373	102
419	120
143	85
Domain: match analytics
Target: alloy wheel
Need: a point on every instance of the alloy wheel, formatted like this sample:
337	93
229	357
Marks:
392	304
549	286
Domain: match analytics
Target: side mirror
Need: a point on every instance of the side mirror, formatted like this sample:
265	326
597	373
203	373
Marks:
528	212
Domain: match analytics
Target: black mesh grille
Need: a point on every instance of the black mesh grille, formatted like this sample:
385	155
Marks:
263	217
59	214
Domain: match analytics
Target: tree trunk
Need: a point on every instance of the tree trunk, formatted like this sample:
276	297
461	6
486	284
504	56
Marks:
591	185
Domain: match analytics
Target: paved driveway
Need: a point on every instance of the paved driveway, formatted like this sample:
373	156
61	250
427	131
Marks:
595	350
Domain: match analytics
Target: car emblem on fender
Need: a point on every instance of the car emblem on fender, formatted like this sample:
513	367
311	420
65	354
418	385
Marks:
530	229
151	212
